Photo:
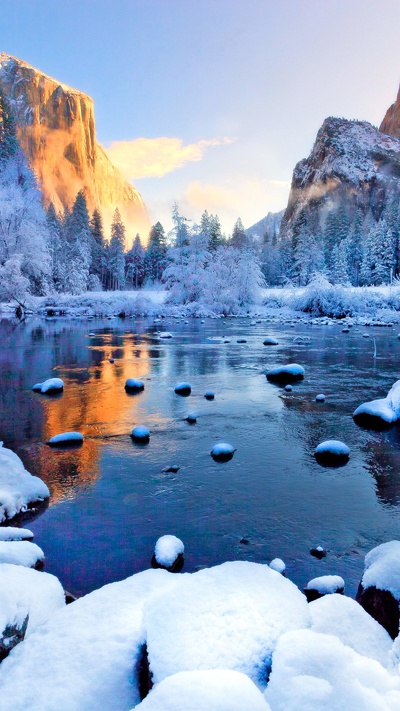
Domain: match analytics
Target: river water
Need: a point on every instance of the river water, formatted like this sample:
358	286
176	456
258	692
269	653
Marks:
110	499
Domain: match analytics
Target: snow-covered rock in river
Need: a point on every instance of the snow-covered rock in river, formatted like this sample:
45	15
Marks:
286	373
318	552
332	451
133	385
209	395
278	565
346	619
140	433
270	342
168	552
21	553
84	657
165	334
52	385
312	671
18	488
380	413
379	589
191	417
226	617
324	585
205	690
288	388
10	533
222	451
66	438
183	389
320	398
27	599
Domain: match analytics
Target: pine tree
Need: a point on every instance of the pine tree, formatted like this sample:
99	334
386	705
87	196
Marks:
135	263
56	249
382	256
215	237
238	238
339	268
116	253
97	246
355	248
78	250
156	253
8	137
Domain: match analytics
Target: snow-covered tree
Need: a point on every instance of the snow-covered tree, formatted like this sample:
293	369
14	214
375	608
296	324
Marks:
239	239
135	264
116	258
156	253
78	248
97	246
339	273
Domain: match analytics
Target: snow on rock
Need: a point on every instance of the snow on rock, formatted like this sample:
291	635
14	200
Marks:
288	388
66	438
52	385
167	550
191	417
183	389
278	565
382	412
379	589
20	553
140	433
209	395
134	385
320	398
222	451
226	617
84	657
323	585
318	552
286	373
270	342
317	672
332	450
346	619
210	690
10	533
28	592
165	334
18	488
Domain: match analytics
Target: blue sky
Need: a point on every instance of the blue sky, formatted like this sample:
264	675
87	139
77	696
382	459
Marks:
211	103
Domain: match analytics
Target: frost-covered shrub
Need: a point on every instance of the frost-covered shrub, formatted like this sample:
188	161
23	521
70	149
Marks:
321	298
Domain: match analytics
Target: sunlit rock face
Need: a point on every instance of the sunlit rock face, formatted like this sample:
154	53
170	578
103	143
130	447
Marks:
351	165
56	130
391	121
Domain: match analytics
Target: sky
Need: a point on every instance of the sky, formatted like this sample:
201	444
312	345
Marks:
211	103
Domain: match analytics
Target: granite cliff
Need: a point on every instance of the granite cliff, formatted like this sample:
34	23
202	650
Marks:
56	130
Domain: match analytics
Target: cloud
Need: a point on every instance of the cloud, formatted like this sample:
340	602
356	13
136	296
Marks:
155	157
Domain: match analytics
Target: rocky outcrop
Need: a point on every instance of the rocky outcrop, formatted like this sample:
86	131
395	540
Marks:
353	166
56	130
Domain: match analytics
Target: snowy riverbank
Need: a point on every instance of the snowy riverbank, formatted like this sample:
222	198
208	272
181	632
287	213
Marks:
318	300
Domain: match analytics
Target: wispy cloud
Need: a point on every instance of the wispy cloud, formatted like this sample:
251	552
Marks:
155	157
244	197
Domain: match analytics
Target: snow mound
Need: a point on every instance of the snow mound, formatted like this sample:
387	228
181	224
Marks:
52	385
134	385
84	657
222	451
66	438
326	584
320	398
9	533
332	450
141	433
165	334
183	389
226	617
18	488
20	553
278	565
346	619
385	410
270	342
382	568
167	550
211	690
27	592
317	672
286	373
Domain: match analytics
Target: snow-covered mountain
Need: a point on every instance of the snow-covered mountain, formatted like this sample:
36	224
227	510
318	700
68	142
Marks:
268	226
56	130
352	166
